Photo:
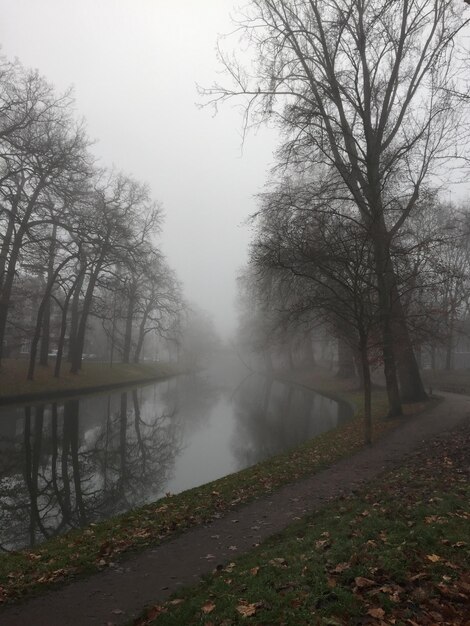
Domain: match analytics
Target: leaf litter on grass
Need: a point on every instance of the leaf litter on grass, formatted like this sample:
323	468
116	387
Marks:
396	554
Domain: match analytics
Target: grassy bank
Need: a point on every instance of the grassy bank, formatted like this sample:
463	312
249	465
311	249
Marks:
454	381
13	381
397	553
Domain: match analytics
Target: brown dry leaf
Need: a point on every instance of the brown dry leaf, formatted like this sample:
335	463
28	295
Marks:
331	582
254	570
176	601
278	562
208	607
434	558
246	610
378	613
341	567
362	582
322	544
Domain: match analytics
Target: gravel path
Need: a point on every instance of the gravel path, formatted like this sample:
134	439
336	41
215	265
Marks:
114	596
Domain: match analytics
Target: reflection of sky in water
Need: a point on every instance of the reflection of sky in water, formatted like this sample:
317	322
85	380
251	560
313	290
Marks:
108	453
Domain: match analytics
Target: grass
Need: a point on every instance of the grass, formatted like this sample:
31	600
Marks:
13	377
454	381
396	553
84	551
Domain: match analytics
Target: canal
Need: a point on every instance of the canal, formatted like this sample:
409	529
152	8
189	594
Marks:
64	464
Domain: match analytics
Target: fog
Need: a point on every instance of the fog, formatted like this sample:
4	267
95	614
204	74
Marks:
134	66
359	258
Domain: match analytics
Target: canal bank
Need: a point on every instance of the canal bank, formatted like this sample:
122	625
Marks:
94	377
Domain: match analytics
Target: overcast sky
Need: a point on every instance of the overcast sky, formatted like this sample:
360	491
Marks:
134	65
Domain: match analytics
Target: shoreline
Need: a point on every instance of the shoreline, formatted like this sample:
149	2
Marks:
37	397
71	390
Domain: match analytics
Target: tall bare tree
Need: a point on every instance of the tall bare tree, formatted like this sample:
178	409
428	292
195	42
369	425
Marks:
367	89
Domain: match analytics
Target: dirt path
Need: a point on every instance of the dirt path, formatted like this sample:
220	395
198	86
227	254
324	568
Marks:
114	596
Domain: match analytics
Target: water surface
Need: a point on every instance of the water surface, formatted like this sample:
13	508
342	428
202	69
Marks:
66	464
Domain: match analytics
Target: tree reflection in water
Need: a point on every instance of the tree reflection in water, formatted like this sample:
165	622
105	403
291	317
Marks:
65	465
272	417
56	476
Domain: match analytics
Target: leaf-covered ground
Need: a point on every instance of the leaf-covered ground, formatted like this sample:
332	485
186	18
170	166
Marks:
396	553
85	551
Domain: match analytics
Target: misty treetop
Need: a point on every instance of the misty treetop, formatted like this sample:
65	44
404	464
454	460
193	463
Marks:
80	269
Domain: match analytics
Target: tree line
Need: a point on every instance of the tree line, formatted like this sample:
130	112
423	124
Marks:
77	241
352	233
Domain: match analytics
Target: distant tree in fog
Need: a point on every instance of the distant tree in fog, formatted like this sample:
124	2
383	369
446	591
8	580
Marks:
70	233
42	153
322	271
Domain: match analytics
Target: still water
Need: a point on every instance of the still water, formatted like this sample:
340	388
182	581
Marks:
68	463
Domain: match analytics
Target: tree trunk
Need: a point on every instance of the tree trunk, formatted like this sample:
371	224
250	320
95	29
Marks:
411	385
384	271
345	360
79	342
8	275
141	336
37	332
46	322
449	347
359	369
126	351
75	316
63	328
5	293
367	391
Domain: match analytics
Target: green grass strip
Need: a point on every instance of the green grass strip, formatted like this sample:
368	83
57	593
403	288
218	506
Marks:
397	553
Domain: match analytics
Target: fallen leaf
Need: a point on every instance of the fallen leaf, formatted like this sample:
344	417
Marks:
378	613
434	558
341	567
208	607
246	610
362	582
254	570
176	601
322	544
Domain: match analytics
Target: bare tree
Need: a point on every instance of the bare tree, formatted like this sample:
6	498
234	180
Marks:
41	149
328	276
367	89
